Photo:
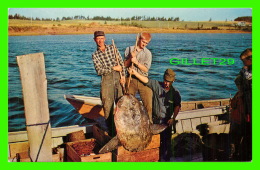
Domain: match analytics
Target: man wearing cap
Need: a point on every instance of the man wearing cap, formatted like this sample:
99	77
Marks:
166	106
141	58
106	65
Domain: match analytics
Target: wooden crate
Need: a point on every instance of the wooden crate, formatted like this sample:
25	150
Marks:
19	147
24	157
100	135
73	156
149	154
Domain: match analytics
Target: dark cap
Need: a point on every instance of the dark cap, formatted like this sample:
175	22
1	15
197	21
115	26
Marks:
169	75
99	33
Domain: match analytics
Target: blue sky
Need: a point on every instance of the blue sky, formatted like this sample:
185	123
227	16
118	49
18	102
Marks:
186	14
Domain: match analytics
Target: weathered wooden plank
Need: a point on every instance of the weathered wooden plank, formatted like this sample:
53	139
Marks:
34	87
191	105
187	125
206	104
56	132
179	128
213	118
17	136
225	102
205	120
188	106
195	122
200	113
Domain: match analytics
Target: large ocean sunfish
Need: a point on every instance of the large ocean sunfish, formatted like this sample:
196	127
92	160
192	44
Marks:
134	130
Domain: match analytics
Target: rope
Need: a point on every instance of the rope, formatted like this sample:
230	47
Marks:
14	158
43	138
37	124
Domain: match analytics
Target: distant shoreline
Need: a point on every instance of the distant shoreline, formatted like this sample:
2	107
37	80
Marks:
27	28
46	32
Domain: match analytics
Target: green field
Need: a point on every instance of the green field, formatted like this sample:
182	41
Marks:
143	24
38	27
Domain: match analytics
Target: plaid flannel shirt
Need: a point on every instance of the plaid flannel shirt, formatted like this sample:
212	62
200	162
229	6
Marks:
105	61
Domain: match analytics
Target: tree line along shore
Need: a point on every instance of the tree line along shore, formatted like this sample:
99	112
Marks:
17	27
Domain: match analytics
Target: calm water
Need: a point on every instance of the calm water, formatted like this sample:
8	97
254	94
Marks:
70	69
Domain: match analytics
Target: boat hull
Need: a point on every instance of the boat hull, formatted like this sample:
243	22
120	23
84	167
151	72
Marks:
91	107
88	107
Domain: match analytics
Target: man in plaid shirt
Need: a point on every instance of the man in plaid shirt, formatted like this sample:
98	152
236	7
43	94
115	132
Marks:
106	65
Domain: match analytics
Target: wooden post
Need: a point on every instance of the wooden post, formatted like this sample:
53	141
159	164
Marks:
34	85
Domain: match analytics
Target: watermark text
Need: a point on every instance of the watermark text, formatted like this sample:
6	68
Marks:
202	61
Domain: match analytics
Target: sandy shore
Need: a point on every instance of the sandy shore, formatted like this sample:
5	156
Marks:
108	29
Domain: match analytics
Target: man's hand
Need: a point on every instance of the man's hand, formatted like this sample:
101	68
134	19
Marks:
133	58
171	122
139	76
118	68
122	81
131	71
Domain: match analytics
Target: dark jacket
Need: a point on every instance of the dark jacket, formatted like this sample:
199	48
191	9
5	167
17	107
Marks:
172	99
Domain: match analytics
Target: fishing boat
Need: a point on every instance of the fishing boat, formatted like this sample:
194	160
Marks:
36	143
192	113
212	113
91	107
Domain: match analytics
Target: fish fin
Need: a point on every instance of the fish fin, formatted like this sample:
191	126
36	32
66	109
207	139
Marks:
157	128
111	145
